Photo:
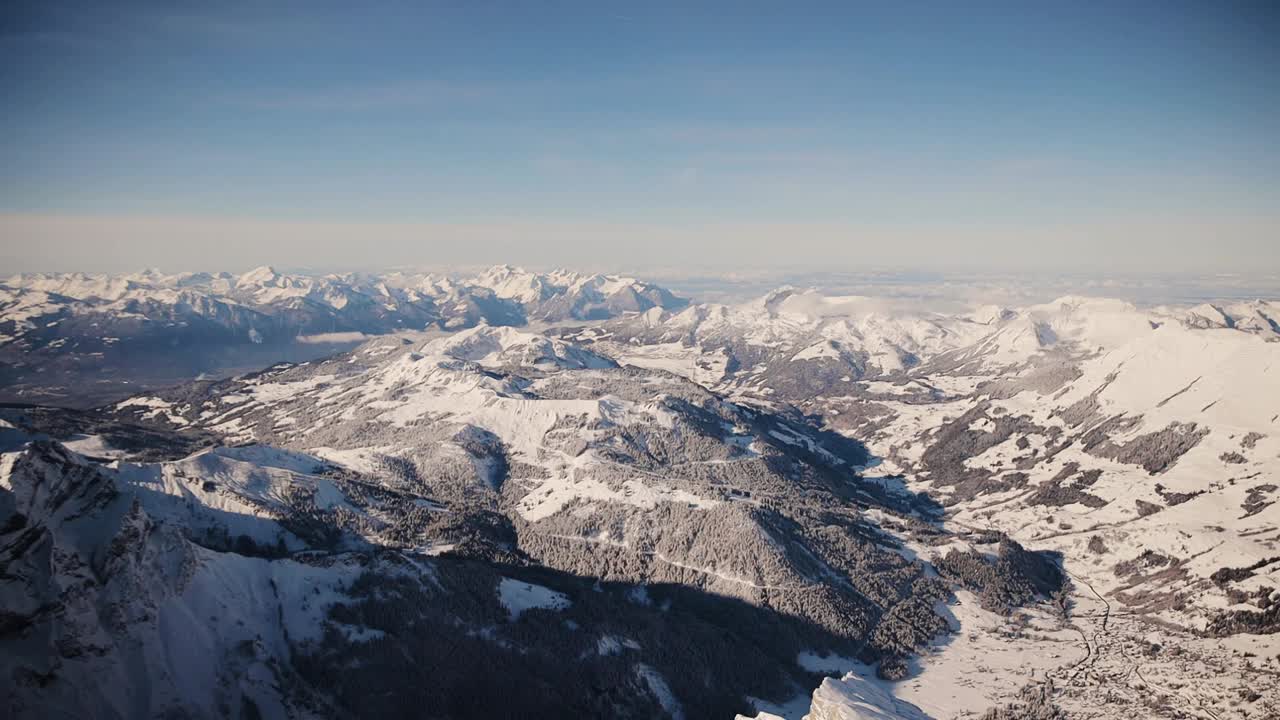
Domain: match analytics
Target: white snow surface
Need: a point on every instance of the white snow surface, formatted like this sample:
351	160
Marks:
518	596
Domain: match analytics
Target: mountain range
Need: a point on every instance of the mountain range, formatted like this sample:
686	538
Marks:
799	506
76	338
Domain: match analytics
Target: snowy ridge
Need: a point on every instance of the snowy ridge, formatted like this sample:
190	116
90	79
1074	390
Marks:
61	332
1054	503
368	303
256	527
1138	442
859	337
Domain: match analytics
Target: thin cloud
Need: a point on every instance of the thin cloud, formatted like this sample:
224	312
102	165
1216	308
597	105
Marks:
412	94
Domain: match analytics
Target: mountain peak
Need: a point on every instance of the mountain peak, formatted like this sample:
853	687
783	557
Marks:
260	275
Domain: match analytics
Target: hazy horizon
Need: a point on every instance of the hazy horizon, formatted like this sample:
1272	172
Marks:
1117	138
936	290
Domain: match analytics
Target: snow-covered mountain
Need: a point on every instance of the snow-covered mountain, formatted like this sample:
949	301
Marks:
348	302
1140	444
581	455
61	332
804	505
695	549
820	343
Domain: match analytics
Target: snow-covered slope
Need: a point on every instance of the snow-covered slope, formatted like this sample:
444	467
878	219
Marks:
118	603
1140	443
708	509
367	303
579	452
60	333
800	345
511	448
100	593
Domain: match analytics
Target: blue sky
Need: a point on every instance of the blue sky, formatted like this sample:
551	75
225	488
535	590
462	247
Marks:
1017	134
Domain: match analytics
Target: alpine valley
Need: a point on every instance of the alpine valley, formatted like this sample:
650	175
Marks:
560	495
